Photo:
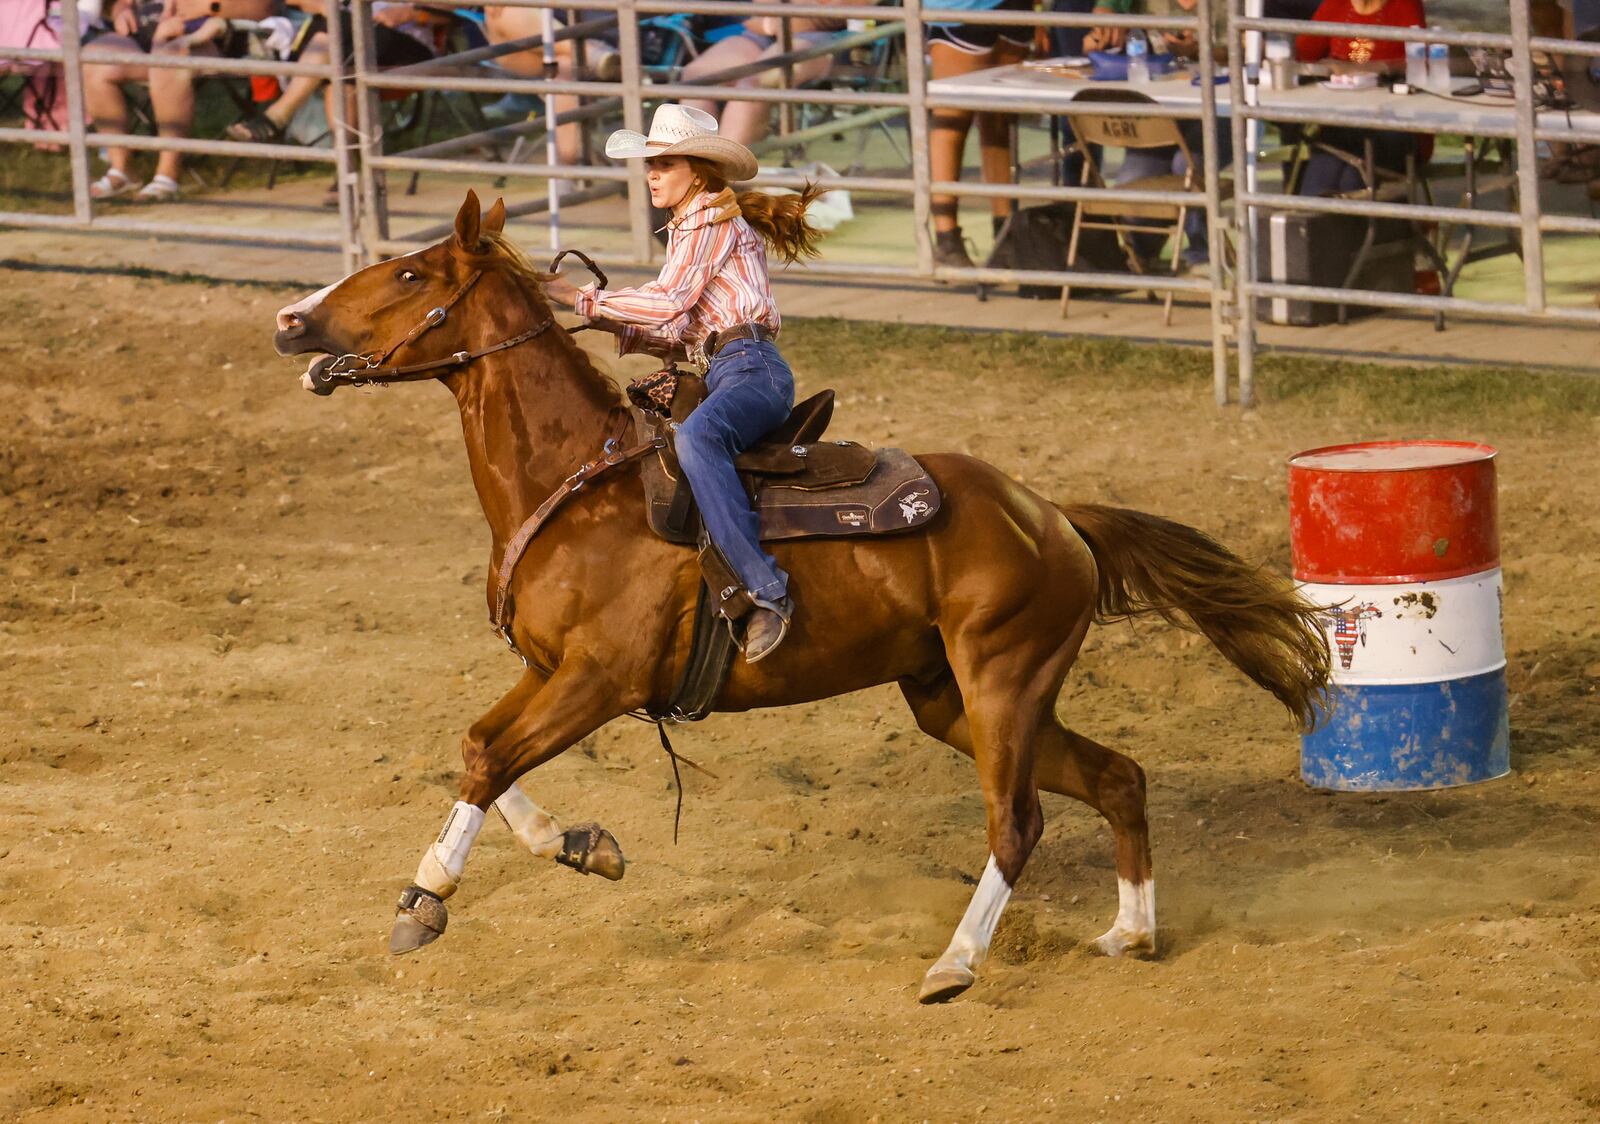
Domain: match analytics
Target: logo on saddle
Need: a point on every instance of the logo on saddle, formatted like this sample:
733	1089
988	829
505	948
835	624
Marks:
801	486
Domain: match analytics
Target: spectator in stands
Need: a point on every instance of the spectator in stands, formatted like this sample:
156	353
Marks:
192	27
402	34
1326	172
748	121
601	63
960	48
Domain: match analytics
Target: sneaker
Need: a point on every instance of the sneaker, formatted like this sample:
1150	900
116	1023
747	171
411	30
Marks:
766	629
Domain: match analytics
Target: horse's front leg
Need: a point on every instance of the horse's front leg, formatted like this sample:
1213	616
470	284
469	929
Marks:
536	721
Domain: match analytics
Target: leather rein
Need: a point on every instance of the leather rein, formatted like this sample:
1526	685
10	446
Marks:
333	371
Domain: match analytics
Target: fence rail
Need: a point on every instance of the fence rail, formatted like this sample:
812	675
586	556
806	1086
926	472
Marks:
361	164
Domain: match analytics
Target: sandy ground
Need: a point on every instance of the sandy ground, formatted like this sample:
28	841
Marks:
242	630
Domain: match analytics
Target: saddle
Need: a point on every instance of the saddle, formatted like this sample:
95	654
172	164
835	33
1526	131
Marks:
800	487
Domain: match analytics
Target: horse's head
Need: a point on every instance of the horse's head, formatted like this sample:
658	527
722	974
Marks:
376	314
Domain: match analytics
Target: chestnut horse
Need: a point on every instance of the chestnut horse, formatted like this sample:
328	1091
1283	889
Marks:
977	617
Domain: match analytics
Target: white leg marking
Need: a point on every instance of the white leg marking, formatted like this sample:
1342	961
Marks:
1135	927
446	858
970	944
535	828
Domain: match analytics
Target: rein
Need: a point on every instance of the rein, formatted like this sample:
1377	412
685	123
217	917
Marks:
331	372
613	456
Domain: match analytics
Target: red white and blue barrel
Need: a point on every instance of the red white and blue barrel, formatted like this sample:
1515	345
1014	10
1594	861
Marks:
1400	539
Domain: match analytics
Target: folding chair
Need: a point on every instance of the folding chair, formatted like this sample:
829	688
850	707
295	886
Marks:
1107	132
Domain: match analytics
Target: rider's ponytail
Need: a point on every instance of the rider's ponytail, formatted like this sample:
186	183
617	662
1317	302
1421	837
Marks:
780	220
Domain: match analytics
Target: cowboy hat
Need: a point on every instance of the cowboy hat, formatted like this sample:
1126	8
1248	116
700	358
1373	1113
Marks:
682	130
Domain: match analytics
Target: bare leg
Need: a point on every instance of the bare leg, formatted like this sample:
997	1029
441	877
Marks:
736	50
172	94
102	92
994	133
750	121
300	90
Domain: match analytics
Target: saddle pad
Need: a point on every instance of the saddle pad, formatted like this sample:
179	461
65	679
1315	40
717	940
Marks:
897	495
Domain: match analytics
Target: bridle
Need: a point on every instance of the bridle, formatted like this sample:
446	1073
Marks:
333	371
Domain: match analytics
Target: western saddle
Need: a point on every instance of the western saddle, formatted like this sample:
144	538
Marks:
800	487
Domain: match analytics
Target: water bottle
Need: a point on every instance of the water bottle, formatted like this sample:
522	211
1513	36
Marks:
1138	64
1439	67
1417	75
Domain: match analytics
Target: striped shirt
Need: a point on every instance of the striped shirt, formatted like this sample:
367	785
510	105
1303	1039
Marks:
715	278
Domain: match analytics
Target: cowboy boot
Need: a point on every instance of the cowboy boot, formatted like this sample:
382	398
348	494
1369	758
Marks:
766	628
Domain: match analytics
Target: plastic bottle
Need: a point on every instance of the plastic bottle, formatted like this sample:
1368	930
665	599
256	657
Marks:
1138	64
1439	67
1417	71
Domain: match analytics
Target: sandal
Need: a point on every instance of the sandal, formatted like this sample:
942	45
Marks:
161	189
259	129
111	185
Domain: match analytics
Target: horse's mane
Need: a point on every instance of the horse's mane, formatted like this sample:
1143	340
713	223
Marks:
502	253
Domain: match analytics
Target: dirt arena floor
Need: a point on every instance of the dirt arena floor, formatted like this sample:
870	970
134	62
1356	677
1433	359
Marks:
243	628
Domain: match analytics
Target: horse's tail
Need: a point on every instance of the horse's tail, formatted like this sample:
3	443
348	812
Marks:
1254	616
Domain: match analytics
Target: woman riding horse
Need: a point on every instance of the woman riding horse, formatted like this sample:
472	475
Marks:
713	298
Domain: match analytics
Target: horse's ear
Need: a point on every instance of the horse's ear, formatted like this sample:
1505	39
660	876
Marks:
494	219
467	222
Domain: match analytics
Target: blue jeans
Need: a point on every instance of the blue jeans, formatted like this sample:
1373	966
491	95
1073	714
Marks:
752	392
1142	162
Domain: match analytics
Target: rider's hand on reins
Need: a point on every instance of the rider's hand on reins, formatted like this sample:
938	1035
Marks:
558	290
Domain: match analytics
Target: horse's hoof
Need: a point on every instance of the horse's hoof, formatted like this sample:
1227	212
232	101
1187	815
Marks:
1125	942
943	984
589	848
421	920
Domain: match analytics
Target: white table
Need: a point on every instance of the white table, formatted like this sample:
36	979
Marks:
1381	107
1419	112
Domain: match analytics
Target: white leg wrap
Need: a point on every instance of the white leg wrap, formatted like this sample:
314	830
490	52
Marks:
1135	927
970	944
534	828
444	860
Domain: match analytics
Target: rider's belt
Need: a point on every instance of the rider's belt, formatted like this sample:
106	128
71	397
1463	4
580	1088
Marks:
719	340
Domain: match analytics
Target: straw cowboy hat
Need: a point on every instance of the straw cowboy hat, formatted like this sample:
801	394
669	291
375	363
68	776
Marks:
681	130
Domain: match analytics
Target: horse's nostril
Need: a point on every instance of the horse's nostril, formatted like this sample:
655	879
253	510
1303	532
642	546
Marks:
290	322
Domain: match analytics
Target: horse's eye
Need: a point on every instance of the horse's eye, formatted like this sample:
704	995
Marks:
408	277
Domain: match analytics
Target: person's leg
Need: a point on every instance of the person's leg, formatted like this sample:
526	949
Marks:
300	90
172	95
1138	164
750	121
735	50
106	103
947	132
994	131
752	392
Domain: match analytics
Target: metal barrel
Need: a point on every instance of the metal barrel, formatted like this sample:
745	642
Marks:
1400	540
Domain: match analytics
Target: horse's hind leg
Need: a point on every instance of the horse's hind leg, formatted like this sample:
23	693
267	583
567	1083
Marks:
1070	764
996	725
538	715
